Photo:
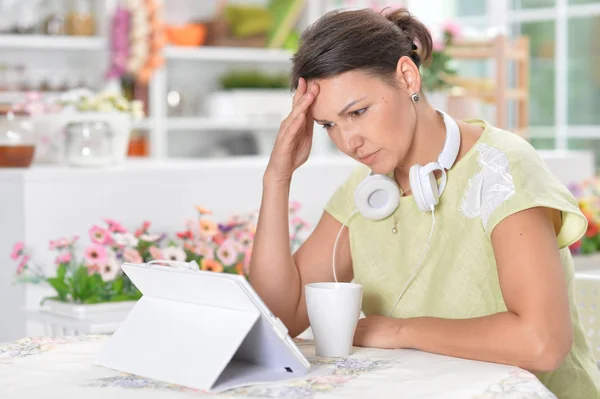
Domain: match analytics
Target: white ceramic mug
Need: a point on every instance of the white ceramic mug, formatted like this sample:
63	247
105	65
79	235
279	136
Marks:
333	311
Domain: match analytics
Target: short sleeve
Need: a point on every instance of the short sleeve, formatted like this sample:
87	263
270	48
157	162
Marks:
341	204
519	180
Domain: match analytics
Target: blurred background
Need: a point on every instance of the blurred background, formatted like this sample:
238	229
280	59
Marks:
210	76
146	112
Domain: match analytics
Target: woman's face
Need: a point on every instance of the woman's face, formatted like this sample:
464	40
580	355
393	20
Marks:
366	118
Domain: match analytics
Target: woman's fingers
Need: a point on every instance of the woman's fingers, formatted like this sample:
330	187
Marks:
305	102
300	91
296	123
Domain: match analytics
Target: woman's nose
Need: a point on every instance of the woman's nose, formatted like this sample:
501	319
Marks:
352	140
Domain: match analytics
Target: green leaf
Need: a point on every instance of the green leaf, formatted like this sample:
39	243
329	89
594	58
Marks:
588	245
61	272
117	286
93	299
120	298
62	289
82	284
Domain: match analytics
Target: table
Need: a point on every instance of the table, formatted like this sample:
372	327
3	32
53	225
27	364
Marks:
63	367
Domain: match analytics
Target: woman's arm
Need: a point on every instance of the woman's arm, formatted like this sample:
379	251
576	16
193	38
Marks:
278	277
535	333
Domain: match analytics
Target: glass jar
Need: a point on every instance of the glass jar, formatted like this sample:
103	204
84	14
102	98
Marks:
89	143
80	19
54	21
17	141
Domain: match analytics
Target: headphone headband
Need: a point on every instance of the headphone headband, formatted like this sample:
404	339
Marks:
452	144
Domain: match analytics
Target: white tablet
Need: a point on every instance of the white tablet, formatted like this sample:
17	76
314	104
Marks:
201	329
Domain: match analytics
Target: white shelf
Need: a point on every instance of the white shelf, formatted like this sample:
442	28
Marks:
34	42
228	54
199	124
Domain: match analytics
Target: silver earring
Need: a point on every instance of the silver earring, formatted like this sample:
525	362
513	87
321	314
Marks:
415	98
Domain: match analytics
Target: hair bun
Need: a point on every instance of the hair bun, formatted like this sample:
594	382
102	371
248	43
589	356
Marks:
416	31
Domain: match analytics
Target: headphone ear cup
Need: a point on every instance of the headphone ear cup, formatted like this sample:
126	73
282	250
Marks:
377	197
424	185
415	186
430	189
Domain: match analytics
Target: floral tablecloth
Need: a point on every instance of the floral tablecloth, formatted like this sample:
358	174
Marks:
63	367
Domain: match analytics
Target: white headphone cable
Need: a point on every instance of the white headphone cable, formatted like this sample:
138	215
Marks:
336	241
419	264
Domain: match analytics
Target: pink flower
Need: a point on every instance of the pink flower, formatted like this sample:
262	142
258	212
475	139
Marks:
156	253
99	235
452	28
62	243
149	237
63	258
22	265
114	226
95	254
298	222
244	240
438	46
204	250
227	253
132	256
109	269
93	269
17	251
185	235
174	253
218	238
295	206
125	240
143	229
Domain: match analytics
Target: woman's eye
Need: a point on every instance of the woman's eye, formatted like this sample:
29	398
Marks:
327	126
357	112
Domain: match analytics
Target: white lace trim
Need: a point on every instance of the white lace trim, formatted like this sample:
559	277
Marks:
490	187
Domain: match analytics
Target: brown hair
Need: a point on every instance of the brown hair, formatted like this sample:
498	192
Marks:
341	41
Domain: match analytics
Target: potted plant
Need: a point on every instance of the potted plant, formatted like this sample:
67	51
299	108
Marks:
93	282
586	251
51	114
250	96
441	65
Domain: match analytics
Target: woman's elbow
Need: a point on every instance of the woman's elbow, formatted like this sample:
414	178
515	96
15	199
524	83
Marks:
550	350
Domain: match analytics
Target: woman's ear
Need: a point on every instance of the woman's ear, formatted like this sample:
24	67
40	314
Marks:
408	75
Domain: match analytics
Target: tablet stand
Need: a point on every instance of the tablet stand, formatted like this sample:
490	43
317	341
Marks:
199	333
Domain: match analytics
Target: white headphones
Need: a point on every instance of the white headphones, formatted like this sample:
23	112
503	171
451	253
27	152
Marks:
378	196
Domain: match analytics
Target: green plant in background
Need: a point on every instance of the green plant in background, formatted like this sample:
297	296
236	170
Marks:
254	80
80	286
286	14
94	279
275	22
432	75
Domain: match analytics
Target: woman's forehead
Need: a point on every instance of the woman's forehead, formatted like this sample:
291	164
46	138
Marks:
337	92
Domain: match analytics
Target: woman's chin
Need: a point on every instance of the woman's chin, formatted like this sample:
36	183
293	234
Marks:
380	167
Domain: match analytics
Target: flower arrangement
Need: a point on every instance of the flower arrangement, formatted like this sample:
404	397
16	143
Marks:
440	66
84	100
587	194
96	276
80	100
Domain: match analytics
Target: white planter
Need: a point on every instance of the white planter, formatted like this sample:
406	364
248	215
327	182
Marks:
586	262
81	312
51	135
252	105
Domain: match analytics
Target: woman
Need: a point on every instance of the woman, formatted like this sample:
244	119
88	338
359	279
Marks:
496	281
